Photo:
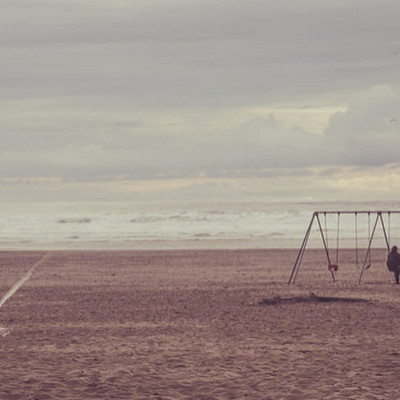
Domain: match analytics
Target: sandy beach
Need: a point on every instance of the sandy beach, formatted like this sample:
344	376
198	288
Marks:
197	324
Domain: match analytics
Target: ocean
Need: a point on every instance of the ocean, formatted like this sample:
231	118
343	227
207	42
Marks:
133	226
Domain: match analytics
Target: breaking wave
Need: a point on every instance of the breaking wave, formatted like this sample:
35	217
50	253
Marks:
123	225
74	221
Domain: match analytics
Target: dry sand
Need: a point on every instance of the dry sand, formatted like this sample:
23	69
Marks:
197	325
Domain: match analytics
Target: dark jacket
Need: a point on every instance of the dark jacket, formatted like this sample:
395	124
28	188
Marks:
393	261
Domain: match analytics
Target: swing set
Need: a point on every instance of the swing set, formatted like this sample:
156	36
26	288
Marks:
332	255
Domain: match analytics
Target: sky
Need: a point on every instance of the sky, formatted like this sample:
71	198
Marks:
199	100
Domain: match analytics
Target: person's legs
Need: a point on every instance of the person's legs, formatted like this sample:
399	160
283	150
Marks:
397	276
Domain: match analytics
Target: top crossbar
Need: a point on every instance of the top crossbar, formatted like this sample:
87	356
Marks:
357	212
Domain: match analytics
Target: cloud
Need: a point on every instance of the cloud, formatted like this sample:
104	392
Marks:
343	183
181	90
366	134
180	53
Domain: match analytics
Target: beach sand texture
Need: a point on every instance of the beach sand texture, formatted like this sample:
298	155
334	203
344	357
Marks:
197	324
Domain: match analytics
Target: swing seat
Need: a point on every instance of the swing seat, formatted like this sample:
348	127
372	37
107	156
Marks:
333	267
366	267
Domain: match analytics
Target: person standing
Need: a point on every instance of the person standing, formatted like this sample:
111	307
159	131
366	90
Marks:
393	263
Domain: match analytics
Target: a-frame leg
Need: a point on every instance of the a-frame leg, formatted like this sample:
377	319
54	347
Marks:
369	247
325	246
300	254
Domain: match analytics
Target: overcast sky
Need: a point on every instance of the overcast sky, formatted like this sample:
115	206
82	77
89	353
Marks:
199	99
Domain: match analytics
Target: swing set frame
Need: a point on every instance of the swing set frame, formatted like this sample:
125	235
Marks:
333	267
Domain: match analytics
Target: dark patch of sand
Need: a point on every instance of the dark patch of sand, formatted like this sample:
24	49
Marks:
312	298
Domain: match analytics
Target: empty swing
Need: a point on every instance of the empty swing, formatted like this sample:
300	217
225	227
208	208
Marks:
333	267
369	241
356	241
356	237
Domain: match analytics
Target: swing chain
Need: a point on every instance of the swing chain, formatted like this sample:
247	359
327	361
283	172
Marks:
337	239
356	234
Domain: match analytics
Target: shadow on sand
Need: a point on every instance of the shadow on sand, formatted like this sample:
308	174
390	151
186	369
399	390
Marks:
312	298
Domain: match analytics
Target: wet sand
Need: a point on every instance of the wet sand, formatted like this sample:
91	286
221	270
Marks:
197	324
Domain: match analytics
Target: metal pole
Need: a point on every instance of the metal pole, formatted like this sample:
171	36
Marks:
299	258
379	213
384	231
325	246
337	240
356	235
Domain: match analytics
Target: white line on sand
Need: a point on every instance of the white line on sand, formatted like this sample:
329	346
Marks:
18	284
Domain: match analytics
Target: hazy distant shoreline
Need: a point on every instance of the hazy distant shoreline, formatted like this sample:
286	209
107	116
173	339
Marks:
158	245
128	226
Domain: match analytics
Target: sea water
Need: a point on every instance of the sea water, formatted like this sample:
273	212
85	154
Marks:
124	225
